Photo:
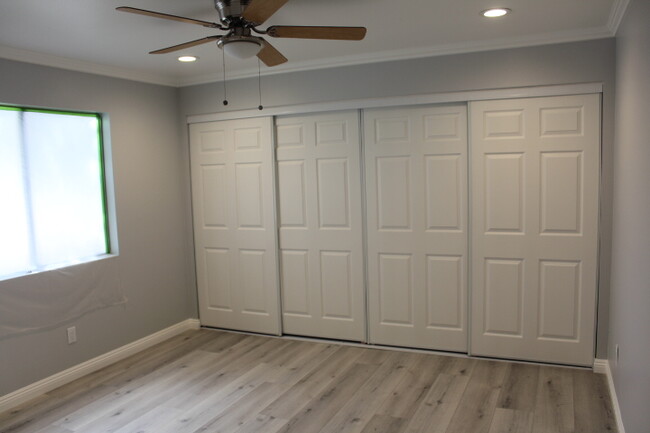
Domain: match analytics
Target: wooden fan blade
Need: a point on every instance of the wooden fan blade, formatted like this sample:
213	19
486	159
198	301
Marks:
259	11
315	32
186	45
167	16
270	56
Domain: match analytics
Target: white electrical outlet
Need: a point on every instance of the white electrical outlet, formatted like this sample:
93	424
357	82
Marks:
72	334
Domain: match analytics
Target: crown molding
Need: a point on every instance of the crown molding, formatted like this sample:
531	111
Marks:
377	57
616	15
396	55
84	66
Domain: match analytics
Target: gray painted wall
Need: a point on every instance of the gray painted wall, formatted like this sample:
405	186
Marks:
630	284
592	61
151	170
152	217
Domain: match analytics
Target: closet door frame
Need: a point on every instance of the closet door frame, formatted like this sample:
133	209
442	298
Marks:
466	97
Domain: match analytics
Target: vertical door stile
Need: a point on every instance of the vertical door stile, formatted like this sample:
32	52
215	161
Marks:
469	216
276	224
364	219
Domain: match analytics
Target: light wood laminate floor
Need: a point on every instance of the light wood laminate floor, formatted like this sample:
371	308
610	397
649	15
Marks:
213	381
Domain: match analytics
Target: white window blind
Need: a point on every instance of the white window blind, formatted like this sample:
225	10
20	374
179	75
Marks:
52	193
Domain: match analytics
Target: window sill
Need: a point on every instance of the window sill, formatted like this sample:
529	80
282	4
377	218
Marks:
57	267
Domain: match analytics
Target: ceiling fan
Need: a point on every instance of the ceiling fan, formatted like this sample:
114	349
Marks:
240	19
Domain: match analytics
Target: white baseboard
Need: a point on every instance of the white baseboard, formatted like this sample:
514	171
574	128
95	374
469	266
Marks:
601	366
49	383
193	324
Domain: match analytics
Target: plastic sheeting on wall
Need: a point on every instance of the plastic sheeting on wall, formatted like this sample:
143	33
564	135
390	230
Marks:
48	299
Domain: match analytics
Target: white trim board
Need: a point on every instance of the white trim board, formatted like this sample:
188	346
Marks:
601	366
525	41
169	79
66	376
616	15
53	61
396	101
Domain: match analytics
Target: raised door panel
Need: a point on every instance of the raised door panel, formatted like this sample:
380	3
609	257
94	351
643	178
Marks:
332	132
295	283
445	282
289	136
561	192
535	171
444	192
562	121
503	307
416	195
393	193
396	290
443	127
250	207
213	182
333	193
251	269
247	138
321	234
391	129
559	300
291	183
234	219
502	124
212	139
336	285
504	193
217	262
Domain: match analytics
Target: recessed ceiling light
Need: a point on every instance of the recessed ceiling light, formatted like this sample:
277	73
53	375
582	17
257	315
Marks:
187	59
495	12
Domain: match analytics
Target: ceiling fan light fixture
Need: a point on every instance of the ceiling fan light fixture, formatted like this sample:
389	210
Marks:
187	59
241	48
495	12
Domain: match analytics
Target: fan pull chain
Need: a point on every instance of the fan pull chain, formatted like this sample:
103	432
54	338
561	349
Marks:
223	62
259	83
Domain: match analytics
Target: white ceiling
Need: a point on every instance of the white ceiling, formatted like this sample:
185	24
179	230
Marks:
89	35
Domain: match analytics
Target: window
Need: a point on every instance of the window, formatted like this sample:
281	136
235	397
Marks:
52	189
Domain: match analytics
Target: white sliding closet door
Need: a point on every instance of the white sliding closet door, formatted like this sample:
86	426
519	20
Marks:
321	235
535	176
234	224
416	183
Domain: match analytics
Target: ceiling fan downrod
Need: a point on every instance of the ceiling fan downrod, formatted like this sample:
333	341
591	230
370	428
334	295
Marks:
229	9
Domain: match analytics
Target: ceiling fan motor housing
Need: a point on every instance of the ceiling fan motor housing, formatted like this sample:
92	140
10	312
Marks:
229	9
